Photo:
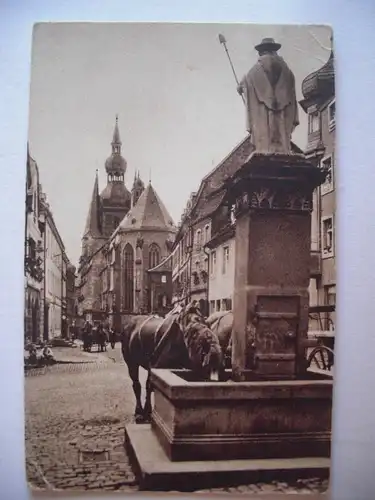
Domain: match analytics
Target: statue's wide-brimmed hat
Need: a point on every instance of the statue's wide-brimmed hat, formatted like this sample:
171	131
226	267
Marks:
268	44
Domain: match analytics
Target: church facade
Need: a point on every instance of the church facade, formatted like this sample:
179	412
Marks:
127	235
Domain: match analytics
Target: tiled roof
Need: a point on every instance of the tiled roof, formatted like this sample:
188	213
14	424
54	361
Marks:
216	178
148	213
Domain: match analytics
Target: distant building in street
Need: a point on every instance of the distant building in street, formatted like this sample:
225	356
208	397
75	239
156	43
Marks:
70	297
318	102
45	265
33	265
126	235
55	263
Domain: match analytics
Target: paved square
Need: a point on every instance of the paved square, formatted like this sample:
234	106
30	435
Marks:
75	419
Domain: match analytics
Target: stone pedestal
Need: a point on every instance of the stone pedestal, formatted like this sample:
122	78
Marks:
272	195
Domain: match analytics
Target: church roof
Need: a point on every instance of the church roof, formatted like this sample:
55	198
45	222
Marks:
92	227
138	183
116	194
148	213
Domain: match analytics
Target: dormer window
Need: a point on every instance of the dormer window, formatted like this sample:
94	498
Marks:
313	122
332	115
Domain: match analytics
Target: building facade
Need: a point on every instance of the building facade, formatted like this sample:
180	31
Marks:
33	265
318	102
46	264
55	263
126	235
70	298
221	269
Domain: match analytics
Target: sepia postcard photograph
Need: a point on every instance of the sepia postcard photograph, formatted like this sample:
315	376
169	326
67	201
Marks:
180	258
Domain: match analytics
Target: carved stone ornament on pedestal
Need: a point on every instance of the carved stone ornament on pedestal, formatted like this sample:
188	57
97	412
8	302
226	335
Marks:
273	199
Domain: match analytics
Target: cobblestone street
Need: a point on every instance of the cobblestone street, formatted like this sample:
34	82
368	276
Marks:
75	419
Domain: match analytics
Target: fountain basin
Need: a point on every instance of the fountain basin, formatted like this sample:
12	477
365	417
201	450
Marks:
255	419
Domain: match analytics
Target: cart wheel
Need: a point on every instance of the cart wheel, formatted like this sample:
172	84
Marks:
321	357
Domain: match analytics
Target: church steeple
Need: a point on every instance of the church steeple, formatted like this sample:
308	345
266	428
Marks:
116	141
92	227
115	165
137	189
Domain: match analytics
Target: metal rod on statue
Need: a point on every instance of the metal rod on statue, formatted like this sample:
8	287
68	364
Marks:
223	42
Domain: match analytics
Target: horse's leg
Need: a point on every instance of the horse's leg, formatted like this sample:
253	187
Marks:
134	375
148	408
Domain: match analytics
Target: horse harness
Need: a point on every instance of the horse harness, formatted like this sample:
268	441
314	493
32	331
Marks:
159	328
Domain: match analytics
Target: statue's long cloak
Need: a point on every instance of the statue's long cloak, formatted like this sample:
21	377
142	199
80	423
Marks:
272	111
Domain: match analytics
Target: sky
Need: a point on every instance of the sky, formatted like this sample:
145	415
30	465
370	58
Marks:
174	91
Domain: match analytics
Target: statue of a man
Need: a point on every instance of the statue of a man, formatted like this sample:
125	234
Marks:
270	97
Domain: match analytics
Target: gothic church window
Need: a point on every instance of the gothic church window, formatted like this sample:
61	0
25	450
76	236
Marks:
153	256
128	278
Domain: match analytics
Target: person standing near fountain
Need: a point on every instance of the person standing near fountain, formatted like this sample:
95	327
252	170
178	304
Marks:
270	99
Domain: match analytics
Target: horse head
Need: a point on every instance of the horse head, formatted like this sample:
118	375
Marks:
202	343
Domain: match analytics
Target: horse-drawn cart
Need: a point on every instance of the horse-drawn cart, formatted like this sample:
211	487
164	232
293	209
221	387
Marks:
321	342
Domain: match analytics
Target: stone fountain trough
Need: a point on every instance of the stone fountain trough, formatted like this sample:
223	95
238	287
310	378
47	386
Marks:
254	419
204	434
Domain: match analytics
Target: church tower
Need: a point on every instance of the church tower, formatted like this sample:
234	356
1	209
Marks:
92	237
137	189
115	198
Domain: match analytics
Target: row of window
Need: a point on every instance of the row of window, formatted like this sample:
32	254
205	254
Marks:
202	236
314	124
225	261
220	305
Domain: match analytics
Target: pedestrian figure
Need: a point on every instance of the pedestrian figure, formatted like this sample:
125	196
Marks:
87	337
112	336
31	349
48	354
101	337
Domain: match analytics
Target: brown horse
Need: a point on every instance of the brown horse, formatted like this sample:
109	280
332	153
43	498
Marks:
221	323
180	340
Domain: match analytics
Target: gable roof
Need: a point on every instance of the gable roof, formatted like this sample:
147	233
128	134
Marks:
148	213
